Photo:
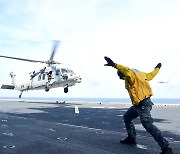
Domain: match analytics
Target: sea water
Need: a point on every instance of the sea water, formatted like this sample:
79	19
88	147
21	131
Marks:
101	100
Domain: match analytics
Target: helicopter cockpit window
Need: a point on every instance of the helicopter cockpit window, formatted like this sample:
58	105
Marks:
64	71
71	72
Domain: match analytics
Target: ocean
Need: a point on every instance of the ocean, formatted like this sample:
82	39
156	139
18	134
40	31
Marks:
102	100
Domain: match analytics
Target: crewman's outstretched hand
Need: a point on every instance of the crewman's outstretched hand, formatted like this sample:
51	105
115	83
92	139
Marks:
158	65
109	62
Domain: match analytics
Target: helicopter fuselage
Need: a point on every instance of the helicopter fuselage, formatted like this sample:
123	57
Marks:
61	77
48	78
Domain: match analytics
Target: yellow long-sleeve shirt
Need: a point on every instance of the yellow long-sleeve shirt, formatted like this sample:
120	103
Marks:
137	83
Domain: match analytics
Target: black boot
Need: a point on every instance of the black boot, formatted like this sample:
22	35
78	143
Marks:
128	140
167	151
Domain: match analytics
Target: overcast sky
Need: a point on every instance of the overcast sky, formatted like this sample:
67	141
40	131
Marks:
136	33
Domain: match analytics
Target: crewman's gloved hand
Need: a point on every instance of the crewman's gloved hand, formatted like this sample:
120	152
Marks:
109	62
158	65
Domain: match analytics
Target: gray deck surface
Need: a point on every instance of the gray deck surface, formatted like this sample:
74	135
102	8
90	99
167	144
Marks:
48	127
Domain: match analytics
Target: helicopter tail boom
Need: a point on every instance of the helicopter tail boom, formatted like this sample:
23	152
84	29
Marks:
7	87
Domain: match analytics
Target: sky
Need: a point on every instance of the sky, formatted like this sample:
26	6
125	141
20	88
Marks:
135	33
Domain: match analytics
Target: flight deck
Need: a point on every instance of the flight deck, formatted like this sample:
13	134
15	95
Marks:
45	126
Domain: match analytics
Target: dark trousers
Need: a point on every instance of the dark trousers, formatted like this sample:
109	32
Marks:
143	111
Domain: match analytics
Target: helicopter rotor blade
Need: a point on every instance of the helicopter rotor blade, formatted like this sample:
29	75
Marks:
56	43
49	62
28	60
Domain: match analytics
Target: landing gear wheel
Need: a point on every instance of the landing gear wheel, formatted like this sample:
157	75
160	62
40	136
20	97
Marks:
47	87
47	90
20	94
66	90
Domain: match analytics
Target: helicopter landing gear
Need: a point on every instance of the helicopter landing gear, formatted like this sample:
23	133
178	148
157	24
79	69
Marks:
66	90
20	94
47	87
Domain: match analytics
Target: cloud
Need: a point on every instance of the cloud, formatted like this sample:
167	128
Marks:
134	33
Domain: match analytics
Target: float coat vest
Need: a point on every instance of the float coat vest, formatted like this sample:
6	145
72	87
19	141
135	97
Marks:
137	83
140	89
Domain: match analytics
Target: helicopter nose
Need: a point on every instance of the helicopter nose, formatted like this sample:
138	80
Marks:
78	79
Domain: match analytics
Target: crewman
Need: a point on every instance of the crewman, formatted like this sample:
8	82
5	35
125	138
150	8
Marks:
140	92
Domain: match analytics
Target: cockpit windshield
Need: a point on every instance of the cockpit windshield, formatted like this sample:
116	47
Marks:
65	71
71	71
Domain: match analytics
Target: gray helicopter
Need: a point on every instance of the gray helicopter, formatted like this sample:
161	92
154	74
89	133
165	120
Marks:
50	76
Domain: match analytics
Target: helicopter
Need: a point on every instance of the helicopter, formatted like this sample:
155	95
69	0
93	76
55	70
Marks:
50	76
163	82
